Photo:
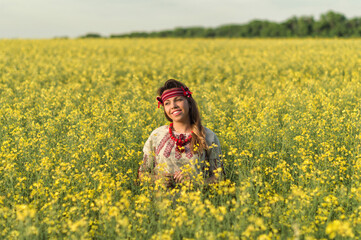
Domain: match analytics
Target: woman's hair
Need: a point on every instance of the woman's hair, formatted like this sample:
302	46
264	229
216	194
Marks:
198	136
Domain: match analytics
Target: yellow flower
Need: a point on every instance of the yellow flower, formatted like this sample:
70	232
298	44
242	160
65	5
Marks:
339	228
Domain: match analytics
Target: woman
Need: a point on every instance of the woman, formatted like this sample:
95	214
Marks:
184	150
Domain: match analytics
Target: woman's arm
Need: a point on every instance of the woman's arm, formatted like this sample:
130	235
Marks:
214	155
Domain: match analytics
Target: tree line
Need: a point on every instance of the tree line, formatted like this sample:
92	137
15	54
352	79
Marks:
330	24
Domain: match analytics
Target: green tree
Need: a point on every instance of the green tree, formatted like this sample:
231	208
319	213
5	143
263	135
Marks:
195	32
271	29
209	33
91	35
255	28
331	24
231	30
304	26
353	27
179	32
290	25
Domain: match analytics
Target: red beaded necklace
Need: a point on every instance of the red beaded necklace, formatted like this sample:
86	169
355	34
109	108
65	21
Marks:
178	141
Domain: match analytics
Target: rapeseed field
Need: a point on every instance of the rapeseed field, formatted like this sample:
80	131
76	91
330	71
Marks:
74	116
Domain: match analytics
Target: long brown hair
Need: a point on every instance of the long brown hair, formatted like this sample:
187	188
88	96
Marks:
198	141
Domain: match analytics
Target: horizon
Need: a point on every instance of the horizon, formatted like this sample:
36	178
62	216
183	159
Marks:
42	19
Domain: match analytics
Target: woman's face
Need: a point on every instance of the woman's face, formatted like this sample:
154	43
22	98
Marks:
177	109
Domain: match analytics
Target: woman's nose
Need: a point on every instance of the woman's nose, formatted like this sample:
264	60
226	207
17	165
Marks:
174	104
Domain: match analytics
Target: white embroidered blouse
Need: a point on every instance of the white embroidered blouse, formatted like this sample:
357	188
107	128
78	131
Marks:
161	156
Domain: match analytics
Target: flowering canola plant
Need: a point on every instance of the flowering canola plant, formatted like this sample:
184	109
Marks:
74	116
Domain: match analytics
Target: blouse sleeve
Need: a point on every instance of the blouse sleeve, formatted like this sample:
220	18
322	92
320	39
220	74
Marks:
148	157
214	155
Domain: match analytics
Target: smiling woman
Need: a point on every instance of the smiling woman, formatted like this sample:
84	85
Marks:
184	151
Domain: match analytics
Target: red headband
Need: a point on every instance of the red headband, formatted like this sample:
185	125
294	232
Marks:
172	93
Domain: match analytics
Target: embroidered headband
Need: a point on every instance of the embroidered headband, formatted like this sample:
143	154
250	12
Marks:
172	93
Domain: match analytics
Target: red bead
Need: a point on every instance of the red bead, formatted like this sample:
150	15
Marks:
179	142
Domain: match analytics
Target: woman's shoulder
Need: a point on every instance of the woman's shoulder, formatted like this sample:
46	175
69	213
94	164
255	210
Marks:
160	130
157	134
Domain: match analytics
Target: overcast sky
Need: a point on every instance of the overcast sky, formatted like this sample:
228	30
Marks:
73	18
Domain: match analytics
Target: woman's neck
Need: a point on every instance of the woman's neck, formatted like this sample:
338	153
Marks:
181	127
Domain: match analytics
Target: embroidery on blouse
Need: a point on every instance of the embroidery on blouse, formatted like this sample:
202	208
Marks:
178	154
162	143
168	149
155	162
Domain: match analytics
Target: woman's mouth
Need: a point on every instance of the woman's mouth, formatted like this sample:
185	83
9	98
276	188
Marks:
176	113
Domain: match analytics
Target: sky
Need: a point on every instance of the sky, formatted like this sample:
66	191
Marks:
73	18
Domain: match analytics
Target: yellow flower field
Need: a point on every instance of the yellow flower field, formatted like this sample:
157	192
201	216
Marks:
74	115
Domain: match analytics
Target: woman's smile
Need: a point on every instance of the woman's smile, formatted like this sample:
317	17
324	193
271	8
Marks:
177	112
